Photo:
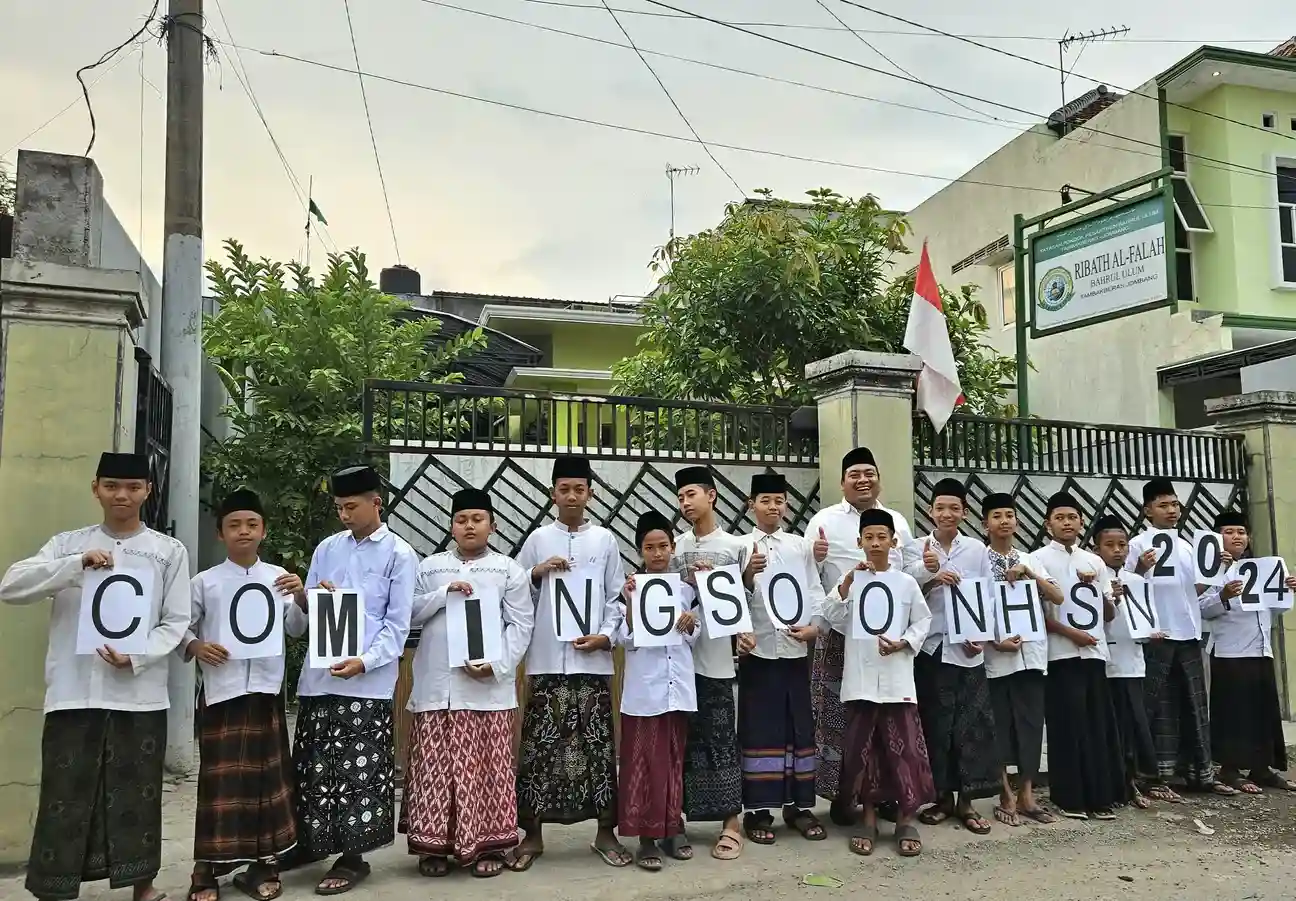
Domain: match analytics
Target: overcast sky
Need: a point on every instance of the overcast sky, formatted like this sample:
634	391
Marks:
495	200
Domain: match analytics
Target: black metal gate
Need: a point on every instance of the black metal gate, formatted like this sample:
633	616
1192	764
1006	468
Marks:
153	438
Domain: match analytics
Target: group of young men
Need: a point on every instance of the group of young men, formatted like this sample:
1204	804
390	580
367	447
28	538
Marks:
904	726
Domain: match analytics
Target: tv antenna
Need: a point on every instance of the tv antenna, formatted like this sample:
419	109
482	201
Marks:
1084	39
671	173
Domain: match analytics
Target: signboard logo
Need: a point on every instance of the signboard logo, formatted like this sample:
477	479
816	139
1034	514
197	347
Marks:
1056	289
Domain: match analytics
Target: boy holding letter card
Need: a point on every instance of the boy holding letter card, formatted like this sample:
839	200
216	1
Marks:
885	753
105	730
1086	772
657	696
567	760
1125	668
1175	686
953	692
1246	717
245	764
1016	668
460	799
776	730
344	751
712	765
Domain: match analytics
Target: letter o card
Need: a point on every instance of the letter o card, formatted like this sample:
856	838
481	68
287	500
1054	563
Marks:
724	601
876	605
249	618
1208	558
116	610
786	599
337	626
656	605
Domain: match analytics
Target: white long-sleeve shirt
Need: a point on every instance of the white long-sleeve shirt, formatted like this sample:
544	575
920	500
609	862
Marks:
659	680
233	678
437	685
1124	654
79	681
840	523
783	550
1177	604
866	674
712	657
1066	565
384	568
1235	632
588	547
969	559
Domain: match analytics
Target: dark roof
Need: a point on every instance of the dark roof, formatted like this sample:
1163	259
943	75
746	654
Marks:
1082	109
489	367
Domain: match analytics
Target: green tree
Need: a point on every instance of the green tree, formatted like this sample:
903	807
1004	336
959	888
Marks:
293	359
743	307
7	190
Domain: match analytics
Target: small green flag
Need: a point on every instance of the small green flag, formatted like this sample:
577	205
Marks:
315	211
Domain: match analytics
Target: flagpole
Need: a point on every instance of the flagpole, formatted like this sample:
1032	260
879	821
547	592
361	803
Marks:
310	194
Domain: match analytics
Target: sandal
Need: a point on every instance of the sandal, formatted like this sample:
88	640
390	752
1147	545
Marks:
616	856
806	823
348	875
729	846
1140	800
1242	784
1038	815
1275	780
487	871
864	842
1219	788
908	834
435	866
934	816
1006	816
974	823
253	881
758	827
203	883
646	858
520	859
677	846
1164	793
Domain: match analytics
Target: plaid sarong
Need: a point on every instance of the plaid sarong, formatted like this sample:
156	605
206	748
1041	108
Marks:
1174	690
245	798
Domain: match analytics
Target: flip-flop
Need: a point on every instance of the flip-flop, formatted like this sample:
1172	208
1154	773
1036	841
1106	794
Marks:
908	834
1140	801
1006	816
1103	814
934	816
250	881
677	846
197	887
857	841
1219	788
488	874
645	858
759	828
353	876
435	867
805	822
1037	815
729	846
1164	793
1244	785
973	822
606	854
521	861
1276	780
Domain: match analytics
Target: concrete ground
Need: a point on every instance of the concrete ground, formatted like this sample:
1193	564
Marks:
1157	854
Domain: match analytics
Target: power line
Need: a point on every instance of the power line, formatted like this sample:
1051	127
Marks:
78	99
644	132
245	81
1238	167
1050	39
85	90
1053	68
391	221
666	91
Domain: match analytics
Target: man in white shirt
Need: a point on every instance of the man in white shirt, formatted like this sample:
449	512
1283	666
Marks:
712	766
1086	773
775	718
460	800
838	527
245	763
1125	671
1175	684
1246	717
953	692
344	752
1016	670
658	694
100	808
567	761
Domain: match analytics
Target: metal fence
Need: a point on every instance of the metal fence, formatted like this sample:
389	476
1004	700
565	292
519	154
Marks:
153	437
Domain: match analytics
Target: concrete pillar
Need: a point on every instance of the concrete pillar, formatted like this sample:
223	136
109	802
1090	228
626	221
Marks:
1266	420
867	399
67	395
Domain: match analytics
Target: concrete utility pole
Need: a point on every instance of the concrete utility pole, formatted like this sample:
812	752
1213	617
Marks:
182	283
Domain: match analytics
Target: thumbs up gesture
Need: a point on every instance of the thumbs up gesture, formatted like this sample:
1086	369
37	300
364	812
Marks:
930	560
755	566
821	547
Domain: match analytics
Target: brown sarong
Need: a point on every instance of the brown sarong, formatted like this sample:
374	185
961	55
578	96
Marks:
245	795
884	757
650	796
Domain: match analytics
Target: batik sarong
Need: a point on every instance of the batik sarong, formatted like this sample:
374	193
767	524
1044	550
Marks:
829	714
651	792
567	762
885	757
712	767
959	727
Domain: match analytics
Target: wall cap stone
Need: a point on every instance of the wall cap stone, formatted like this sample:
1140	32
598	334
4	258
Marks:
1255	408
75	295
866	371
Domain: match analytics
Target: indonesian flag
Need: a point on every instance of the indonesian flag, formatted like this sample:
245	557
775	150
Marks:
927	337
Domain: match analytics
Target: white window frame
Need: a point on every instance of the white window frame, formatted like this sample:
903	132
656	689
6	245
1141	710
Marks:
999	291
1185	177
1279	281
1273	117
1189	250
